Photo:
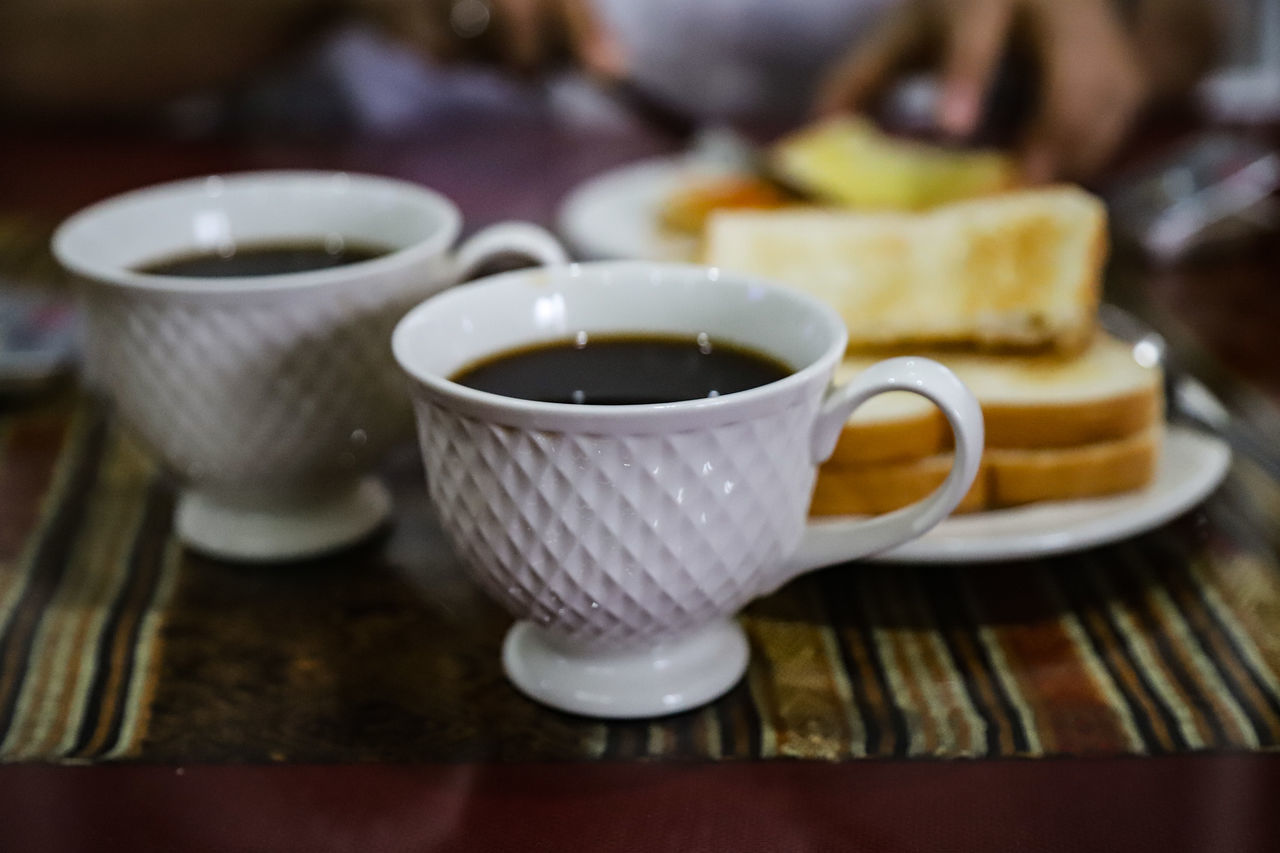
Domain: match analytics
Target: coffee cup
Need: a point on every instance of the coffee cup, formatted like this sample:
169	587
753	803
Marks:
623	538
271	395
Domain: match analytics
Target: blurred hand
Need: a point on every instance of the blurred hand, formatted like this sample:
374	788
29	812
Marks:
525	36
538	28
1092	83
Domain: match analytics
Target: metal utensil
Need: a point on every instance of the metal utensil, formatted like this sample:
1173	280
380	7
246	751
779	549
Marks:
1187	399
654	112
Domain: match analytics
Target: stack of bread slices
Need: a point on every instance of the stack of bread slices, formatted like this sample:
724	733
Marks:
1004	290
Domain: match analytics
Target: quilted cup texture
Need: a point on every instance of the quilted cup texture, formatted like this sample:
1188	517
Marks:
609	540
260	393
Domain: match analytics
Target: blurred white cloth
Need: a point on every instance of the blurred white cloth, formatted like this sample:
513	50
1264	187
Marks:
717	59
736	58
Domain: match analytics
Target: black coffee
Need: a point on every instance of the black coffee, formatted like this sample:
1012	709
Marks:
265	259
623	370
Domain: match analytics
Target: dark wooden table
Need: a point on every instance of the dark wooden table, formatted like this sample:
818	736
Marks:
1222	314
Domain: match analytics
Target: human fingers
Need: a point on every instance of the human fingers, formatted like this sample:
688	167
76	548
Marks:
1073	150
976	32
1103	136
865	69
593	44
1093	88
1076	141
523	31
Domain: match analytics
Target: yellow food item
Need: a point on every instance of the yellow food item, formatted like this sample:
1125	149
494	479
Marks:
848	162
1022	269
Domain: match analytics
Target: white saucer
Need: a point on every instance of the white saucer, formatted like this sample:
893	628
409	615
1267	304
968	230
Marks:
1191	466
614	215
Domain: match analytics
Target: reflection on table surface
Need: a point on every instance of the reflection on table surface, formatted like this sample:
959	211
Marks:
1138	684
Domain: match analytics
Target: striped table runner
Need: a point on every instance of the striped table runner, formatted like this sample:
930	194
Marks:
116	644
83	580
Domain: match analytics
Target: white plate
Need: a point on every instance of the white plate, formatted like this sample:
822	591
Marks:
614	215
1192	464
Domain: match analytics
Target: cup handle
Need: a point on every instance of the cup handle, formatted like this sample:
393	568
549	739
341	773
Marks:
517	238
824	547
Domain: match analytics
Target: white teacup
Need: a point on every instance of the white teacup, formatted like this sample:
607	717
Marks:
270	396
624	537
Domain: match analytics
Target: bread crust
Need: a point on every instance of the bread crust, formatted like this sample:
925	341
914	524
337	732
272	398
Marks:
1071	424
1028	402
874	489
890	441
1008	426
1006	477
1027	476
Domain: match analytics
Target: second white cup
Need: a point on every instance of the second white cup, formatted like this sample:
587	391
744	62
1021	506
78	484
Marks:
270	396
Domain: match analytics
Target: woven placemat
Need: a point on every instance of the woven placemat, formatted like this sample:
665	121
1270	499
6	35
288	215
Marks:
117	644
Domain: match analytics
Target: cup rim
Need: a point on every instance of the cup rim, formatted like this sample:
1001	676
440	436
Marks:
62	242
728	406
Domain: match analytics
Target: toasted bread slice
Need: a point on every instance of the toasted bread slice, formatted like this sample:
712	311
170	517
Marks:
1026	476
1029	402
883	487
1006	477
1020	270
847	161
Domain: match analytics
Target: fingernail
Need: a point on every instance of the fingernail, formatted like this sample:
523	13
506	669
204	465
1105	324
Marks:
958	112
606	56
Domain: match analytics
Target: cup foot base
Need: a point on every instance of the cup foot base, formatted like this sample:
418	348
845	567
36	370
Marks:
665	678
287	530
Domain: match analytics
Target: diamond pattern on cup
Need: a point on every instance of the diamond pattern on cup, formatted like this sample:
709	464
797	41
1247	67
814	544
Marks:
620	538
264	392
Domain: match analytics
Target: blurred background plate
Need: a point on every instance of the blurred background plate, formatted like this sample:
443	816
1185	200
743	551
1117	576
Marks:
615	215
